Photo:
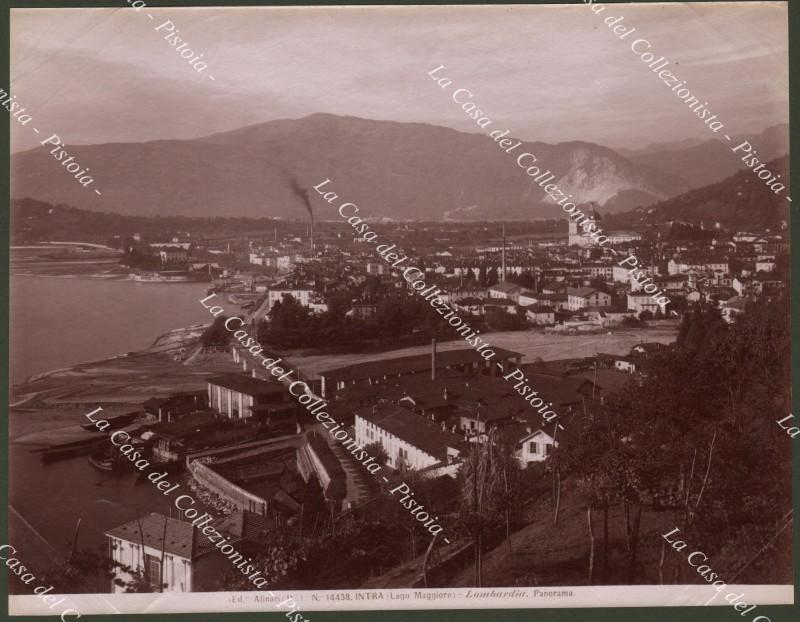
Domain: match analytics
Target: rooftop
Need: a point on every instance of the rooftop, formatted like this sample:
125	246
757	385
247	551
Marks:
506	287
412	428
411	364
581	292
178	539
243	383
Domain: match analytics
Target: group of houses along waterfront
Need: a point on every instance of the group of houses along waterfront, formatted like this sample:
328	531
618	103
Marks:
250	452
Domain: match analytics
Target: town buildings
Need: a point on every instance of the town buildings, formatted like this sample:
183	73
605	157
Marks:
410	441
250	449
465	360
239	396
582	297
171	555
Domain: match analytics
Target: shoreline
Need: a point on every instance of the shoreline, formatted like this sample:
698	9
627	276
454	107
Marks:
104	276
40	387
159	357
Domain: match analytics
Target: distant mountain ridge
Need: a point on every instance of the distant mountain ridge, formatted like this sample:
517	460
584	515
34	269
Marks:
739	200
712	160
393	170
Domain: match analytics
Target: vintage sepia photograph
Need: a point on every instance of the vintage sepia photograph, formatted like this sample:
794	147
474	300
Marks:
339	308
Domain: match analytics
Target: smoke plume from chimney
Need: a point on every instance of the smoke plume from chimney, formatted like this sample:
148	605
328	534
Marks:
302	194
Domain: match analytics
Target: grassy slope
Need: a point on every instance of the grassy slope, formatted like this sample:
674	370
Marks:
547	555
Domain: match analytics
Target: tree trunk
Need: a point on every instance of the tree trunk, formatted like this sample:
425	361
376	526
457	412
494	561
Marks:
302	511
558	497
635	545
605	542
627	526
161	582
508	534
426	561
480	559
591	544
705	478
75	539
508	520
145	572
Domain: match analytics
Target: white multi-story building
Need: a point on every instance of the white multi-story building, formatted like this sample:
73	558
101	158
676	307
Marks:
700	265
410	440
586	297
239	396
604	271
505	291
643	302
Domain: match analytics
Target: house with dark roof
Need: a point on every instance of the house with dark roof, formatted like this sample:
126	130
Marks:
566	393
465	360
172	554
505	290
240	396
477	420
410	441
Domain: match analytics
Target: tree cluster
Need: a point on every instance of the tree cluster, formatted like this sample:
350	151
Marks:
695	445
291	325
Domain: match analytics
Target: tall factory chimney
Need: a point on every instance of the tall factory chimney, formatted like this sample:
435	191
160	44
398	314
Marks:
503	272
433	359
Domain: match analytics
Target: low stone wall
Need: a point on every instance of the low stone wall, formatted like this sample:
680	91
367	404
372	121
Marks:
225	489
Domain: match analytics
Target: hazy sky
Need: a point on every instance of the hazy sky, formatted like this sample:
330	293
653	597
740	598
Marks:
551	73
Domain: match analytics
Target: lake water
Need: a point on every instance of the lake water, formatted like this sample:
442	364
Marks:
58	321
47	500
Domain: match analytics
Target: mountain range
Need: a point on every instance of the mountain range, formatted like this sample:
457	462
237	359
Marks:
710	161
740	200
391	170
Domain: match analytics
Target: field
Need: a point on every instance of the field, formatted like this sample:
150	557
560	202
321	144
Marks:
530	344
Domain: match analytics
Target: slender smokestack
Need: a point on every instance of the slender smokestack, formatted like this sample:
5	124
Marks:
433	359
503	273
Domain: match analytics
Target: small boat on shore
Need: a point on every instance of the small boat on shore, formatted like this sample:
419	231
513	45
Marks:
64	452
114	422
102	463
